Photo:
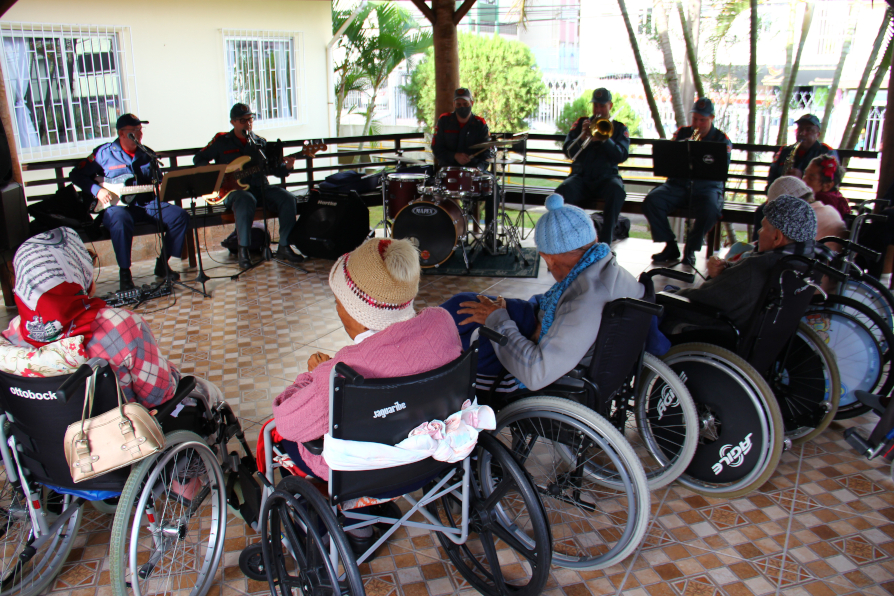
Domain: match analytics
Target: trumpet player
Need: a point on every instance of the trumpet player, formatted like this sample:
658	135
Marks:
793	160
594	169
707	196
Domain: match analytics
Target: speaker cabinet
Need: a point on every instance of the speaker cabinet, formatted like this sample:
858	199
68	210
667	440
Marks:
14	228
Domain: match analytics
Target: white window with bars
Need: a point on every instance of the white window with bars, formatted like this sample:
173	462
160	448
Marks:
66	86
265	69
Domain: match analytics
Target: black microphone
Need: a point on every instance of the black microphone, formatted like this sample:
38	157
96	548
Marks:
247	134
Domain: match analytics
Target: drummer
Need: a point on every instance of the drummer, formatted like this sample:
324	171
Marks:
458	130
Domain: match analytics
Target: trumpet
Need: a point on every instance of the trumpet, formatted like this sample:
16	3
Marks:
600	130
696	136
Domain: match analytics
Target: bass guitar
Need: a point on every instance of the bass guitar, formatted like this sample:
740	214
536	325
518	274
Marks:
121	191
236	172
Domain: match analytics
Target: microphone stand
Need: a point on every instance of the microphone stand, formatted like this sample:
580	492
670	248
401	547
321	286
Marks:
267	254
155	173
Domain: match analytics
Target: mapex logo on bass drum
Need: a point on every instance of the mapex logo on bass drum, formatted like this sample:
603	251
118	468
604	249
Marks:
424	210
708	159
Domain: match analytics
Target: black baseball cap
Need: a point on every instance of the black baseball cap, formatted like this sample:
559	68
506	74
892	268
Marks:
601	95
463	93
240	110
703	106
129	120
808	119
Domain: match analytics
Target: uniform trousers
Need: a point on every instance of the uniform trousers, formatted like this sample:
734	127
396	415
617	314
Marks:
120	221
243	204
585	193
707	206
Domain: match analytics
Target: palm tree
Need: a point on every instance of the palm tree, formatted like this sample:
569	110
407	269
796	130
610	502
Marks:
643	75
690	50
793	75
672	78
353	43
883	69
836	78
864	80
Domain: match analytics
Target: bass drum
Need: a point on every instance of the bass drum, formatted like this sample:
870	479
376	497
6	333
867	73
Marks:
434	226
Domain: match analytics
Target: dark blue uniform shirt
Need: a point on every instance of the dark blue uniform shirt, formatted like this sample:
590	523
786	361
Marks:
111	162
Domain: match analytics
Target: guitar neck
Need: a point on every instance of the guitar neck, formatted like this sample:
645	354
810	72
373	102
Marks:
259	169
133	190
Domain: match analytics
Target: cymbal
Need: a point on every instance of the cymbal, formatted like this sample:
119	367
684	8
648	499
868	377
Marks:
396	157
489	144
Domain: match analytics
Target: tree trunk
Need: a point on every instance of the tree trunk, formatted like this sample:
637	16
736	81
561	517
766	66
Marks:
752	95
690	51
864	80
643	75
836	78
880	73
782	139
446	56
673	79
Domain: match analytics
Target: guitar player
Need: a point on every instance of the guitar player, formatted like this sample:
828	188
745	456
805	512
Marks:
122	161
226	147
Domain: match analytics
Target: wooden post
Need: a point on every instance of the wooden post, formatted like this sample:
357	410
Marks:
886	163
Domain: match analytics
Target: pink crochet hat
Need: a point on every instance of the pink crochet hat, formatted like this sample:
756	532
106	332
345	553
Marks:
378	282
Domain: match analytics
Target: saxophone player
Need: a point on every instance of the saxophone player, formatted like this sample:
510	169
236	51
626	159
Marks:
707	196
594	171
792	160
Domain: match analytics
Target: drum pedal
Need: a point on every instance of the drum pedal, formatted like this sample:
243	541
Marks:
855	440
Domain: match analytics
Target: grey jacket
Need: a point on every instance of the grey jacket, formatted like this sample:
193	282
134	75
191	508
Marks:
574	328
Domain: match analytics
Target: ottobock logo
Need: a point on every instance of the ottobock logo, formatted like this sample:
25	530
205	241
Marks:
389	410
424	211
669	399
733	455
31	395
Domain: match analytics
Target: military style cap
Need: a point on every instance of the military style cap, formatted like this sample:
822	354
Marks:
601	95
463	93
808	119
240	110
703	106
129	120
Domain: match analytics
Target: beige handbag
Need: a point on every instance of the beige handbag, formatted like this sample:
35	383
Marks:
116	439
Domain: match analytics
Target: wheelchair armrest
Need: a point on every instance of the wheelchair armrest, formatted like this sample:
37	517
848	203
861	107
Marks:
576	373
315	447
673	302
184	388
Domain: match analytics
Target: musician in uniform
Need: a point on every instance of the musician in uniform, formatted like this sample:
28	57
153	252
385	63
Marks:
458	130
794	159
594	174
707	195
122	161
226	147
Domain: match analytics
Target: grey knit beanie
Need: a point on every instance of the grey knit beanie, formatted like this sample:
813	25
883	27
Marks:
562	228
792	216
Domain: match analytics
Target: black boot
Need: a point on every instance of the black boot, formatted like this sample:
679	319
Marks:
285	253
670	253
125	280
162	269
243	257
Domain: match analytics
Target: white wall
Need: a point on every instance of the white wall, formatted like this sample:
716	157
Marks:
179	59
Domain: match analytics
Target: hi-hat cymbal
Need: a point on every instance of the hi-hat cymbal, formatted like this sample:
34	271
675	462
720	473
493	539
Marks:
504	161
401	158
489	144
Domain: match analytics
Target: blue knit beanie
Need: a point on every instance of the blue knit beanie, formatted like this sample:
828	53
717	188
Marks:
563	228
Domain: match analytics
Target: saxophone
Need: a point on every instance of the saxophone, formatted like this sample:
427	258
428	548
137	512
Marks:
790	159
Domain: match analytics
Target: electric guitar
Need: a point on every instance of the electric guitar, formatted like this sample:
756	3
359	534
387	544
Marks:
236	173
121	191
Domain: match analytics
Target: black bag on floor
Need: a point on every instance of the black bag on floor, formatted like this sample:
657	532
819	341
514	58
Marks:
231	242
349	180
67	207
331	225
622	227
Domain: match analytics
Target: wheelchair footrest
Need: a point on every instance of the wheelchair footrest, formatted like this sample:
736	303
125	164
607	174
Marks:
855	440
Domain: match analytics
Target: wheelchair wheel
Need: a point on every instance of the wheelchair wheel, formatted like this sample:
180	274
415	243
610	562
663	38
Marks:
508	548
24	578
806	384
298	531
590	480
666	431
168	533
741	428
872	293
850	330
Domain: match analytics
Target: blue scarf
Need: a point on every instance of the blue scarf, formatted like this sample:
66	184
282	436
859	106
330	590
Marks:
550	300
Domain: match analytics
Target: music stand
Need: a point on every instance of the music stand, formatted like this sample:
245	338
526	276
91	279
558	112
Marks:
191	183
698	160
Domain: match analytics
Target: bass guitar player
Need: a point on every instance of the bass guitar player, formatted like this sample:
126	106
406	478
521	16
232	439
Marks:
240	142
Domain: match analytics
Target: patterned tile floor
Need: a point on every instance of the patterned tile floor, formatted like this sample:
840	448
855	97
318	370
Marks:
823	524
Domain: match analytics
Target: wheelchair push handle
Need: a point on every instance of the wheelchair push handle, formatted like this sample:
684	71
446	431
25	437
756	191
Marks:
353	377
671	273
73	383
497	338
650	308
870	254
832	273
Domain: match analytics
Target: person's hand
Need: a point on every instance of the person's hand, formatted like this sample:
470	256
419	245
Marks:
290	162
316	359
104	197
462	158
585	128
795	172
716	266
479	311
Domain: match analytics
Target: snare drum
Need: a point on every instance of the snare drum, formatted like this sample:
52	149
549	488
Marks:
401	190
457	180
434	226
482	184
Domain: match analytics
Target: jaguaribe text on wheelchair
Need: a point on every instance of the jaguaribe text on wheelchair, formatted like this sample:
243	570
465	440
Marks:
170	508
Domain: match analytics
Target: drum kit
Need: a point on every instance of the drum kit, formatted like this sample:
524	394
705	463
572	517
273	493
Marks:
435	212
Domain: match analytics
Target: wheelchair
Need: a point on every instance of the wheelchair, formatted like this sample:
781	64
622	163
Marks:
170	517
772	384
486	512
595	442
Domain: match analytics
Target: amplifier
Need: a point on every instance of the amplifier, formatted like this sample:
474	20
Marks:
135	295
14	228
